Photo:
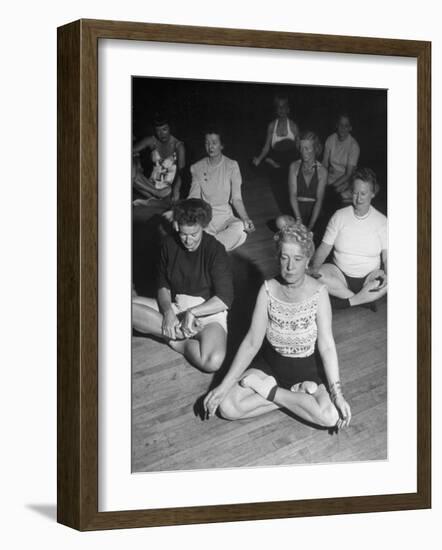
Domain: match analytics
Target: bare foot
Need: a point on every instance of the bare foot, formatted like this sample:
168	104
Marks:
262	386
305	387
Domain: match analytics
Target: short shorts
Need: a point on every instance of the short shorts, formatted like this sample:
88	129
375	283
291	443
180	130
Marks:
183	302
289	371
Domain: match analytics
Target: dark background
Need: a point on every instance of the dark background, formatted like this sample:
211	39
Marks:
242	110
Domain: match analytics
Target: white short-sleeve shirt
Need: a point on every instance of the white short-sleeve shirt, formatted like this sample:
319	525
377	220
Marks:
357	242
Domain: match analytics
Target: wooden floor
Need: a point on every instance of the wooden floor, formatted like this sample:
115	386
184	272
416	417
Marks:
168	432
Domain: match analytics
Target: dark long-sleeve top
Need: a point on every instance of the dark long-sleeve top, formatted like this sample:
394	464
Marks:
204	272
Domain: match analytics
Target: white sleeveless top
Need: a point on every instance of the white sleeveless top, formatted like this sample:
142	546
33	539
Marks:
291	328
289	135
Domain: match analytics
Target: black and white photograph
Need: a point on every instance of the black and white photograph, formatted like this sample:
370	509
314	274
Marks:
259	262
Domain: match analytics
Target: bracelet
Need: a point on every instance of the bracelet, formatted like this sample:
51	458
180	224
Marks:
336	390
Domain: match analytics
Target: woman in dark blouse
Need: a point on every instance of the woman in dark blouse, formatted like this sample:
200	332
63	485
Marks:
195	290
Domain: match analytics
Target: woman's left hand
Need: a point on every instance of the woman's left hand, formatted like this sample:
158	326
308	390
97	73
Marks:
380	275
213	400
344	412
249	226
190	325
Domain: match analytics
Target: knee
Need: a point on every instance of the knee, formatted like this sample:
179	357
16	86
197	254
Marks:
213	361
329	416
284	221
229	409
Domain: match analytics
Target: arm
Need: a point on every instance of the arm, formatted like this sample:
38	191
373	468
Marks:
142	144
293	189
246	352
170	320
189	319
322	175
319	258
221	284
327	350
326	157
294	128
353	157
265	150
384	256
341	183
379	274
237	202
195	187
181	162
240	209
251	343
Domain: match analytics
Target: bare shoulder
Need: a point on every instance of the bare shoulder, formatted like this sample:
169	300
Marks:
294	166
315	285
270	285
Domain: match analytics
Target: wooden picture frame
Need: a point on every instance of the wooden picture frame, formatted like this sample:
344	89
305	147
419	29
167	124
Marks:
77	460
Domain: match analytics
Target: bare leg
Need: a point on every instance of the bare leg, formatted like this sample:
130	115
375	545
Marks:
206	350
244	402
146	317
336	284
230	235
335	281
316	408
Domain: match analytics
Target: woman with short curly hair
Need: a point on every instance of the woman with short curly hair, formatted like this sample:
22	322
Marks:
292	314
195	290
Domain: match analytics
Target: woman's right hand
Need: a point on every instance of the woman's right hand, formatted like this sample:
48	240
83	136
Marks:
256	161
213	399
170	324
314	272
168	215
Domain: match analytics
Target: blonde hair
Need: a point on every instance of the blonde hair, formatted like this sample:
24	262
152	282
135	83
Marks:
296	233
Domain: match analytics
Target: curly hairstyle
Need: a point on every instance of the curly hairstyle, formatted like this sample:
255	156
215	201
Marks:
296	233
192	212
368	176
311	136
160	118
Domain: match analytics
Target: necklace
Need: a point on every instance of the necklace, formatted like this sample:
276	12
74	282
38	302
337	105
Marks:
364	216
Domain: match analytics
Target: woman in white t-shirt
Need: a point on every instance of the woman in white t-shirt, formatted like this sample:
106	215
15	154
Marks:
357	234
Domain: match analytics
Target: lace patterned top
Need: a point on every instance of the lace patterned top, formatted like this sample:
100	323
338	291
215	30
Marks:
292	329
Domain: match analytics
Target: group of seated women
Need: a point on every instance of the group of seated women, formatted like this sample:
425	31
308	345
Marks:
216	179
292	318
292	315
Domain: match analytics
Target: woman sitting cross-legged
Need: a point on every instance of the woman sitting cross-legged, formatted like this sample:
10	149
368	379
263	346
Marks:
195	289
357	234
307	181
292	314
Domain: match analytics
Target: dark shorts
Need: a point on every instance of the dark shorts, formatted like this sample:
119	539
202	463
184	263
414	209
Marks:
355	284
289	370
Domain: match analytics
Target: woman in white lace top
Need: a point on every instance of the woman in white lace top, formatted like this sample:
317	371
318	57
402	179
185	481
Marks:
292	314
